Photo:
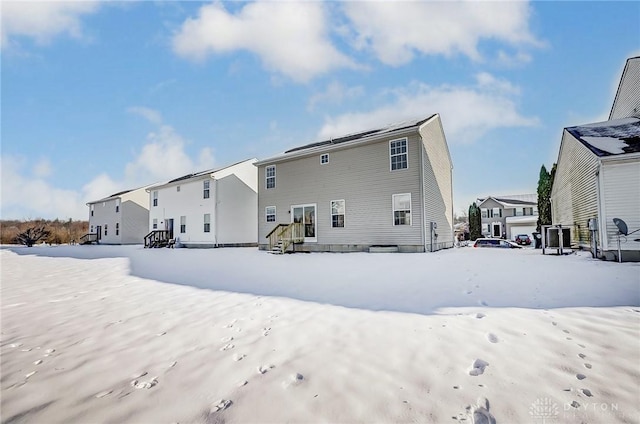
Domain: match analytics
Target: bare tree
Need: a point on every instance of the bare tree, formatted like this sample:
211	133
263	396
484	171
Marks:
32	235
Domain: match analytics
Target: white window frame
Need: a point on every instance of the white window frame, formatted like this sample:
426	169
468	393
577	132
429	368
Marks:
207	223
155	198
392	155
394	210
267	214
117	206
183	224
206	185
154	224
117	228
315	220
267	177
92	208
105	228
344	213
323	157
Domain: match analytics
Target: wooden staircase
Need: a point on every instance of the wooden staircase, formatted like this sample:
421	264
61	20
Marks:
284	236
89	238
158	238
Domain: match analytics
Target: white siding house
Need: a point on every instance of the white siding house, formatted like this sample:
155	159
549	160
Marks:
627	101
121	218
509	216
214	208
386	188
598	177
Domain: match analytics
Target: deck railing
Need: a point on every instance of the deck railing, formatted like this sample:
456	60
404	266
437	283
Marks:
284	235
89	238
157	238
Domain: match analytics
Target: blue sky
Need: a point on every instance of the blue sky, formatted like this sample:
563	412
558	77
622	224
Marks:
99	97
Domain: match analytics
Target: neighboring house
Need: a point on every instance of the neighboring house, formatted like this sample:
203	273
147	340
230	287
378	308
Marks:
627	101
214	208
598	177
122	218
390	187
508	216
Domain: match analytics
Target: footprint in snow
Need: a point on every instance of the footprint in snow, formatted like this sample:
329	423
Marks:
265	331
582	355
478	366
239	357
226	339
482	303
566	331
264	368
103	394
220	405
467	292
227	347
480	315
581	376
480	413
587	366
144	384
587	392
293	380
492	338
38	362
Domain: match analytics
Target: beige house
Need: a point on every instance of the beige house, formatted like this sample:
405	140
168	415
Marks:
121	218
387	188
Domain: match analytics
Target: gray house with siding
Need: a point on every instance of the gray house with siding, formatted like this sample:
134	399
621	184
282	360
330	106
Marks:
508	216
387	187
122	218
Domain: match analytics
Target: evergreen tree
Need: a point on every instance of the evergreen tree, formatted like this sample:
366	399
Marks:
475	221
545	184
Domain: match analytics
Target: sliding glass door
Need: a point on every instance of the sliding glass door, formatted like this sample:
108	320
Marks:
306	214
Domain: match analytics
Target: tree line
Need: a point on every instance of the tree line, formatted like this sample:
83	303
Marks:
41	230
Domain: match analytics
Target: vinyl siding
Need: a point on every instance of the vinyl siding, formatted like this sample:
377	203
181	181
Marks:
574	195
627	101
437	185
134	223
105	213
621	199
361	176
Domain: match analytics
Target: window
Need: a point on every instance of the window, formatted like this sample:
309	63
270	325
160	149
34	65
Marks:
497	213
207	222
324	159
91	230
155	198
105	229
271	176
117	205
117	228
484	213
178	188
402	209
155	223
398	154
270	213
183	224
205	189
519	211
92	212
337	213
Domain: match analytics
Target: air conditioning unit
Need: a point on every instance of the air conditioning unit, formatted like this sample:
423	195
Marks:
556	235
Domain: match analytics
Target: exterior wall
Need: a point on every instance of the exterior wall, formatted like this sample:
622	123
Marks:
188	202
134	223
232	206
502	220
627	101
620	188
361	176
104	213
574	194
237	211
437	184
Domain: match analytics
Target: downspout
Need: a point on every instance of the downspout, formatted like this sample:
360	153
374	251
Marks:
422	192
215	212
602	235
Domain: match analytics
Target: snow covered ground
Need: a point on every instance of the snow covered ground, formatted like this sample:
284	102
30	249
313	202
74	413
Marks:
128	335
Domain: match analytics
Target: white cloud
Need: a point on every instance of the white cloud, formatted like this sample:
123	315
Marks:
467	112
42	168
28	196
149	114
335	93
42	20
291	38
395	32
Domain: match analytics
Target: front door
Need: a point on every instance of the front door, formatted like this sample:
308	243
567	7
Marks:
98	232
497	230
168	225
306	214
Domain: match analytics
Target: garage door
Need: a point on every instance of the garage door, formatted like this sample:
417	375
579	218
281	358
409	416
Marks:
521	229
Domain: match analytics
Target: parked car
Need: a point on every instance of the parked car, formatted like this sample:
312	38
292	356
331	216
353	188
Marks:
523	239
494	242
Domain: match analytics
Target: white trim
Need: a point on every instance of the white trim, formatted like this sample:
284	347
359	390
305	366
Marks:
393	210
406	153
315	221
322	156
266	214
344	214
266	177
